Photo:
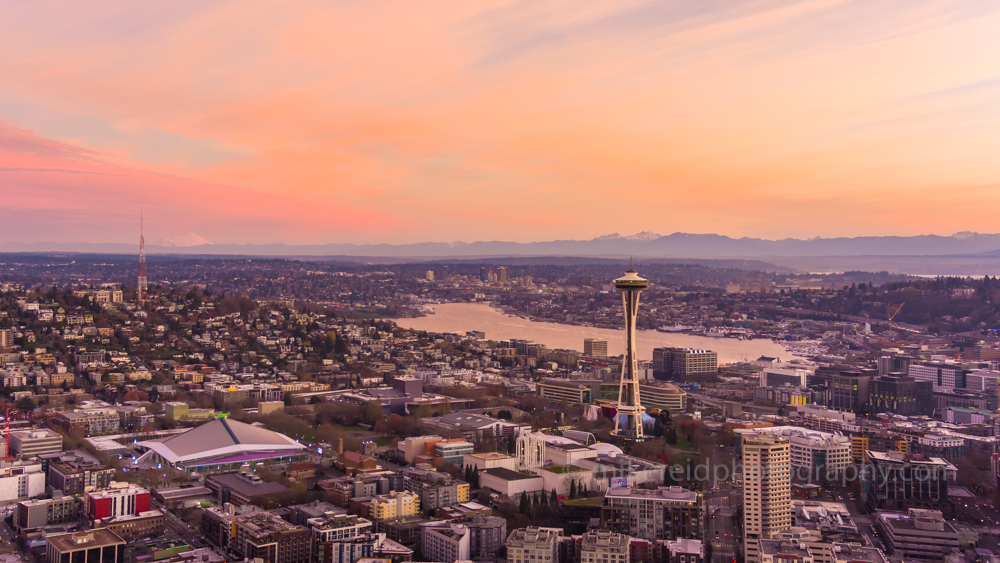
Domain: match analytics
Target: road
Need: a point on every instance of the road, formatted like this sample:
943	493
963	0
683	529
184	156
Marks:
720	529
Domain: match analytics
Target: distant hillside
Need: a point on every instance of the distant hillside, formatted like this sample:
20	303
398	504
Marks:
645	245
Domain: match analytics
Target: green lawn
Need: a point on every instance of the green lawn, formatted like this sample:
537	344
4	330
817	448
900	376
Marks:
683	444
387	441
559	469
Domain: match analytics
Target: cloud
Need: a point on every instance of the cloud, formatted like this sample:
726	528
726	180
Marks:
523	120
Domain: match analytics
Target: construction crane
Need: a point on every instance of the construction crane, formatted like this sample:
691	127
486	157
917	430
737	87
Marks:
898	309
6	430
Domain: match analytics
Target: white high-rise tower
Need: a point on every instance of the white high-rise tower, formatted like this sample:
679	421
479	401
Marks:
628	420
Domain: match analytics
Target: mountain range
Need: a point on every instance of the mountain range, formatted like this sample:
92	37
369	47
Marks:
640	245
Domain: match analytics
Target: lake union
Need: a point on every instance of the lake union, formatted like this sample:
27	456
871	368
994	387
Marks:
463	317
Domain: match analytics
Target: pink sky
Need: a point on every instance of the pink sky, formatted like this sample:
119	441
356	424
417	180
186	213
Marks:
257	122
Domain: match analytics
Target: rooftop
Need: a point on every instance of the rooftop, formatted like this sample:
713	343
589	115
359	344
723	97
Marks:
84	540
509	475
220	436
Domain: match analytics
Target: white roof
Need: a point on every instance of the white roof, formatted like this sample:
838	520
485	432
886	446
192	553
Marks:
220	436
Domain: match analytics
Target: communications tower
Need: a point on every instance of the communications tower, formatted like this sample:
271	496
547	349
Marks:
628	420
141	290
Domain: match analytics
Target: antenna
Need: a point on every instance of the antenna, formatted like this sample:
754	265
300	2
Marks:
141	289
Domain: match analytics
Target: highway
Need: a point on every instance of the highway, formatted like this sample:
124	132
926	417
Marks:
720	528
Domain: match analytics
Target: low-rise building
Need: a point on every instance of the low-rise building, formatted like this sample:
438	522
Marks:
39	513
510	483
27	443
489	460
131	527
245	487
99	545
119	499
918	534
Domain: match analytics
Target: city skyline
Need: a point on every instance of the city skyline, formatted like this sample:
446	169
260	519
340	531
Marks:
394	122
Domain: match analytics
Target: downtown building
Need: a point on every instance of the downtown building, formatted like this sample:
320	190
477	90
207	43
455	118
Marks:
898	481
766	490
120	499
684	363
666	513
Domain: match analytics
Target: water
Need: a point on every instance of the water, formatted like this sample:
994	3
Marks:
463	317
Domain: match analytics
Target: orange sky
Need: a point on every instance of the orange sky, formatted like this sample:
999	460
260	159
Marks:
439	121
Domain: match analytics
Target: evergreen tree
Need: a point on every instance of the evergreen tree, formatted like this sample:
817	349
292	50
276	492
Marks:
554	499
468	474
475	477
572	489
523	508
544	499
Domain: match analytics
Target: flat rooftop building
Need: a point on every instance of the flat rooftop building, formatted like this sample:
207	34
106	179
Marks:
99	545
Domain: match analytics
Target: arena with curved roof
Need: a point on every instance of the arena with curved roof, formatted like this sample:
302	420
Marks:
221	445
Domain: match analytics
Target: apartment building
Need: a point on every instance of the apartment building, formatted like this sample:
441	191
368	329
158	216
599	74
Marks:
666	513
684	363
91	422
21	481
38	513
445	541
394	505
766	490
435	489
533	545
602	546
266	536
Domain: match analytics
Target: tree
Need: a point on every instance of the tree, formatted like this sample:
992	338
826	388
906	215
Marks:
572	489
553	498
475	477
373	412
523	508
468	474
544	498
25	404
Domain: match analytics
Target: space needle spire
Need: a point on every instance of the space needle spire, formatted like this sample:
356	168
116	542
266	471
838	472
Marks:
141	290
628	420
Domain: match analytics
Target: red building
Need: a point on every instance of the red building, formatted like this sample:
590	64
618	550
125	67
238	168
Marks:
120	499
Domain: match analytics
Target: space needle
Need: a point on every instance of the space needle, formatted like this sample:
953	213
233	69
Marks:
628	420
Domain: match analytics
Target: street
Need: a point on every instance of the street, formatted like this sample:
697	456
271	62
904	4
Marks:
720	529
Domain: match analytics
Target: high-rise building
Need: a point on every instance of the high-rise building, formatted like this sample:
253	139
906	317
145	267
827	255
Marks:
628	420
430	275
502	275
767	498
595	347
